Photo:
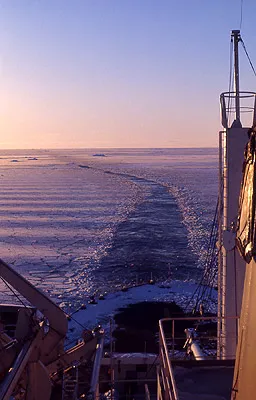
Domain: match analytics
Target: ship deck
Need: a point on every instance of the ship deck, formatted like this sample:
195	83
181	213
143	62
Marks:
204	380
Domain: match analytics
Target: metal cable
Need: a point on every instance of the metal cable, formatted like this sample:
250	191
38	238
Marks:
246	52
13	292
26	307
209	270
152	365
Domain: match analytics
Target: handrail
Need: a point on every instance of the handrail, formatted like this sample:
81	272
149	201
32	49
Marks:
166	380
227	108
147	393
96	367
196	318
219	337
170	370
242	94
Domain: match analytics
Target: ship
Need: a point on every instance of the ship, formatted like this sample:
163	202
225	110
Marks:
214	358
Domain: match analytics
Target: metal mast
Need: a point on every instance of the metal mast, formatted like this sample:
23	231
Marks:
236	37
232	266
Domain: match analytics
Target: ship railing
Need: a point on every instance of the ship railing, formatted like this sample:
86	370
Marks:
173	332
147	393
166	385
94	384
176	344
247	102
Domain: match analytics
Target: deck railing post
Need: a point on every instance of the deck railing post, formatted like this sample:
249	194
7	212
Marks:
173	336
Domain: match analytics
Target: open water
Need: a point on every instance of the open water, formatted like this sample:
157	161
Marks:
78	222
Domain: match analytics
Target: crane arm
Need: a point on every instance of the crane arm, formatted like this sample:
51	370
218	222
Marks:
58	324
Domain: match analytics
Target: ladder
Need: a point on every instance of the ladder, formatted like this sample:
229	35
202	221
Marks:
70	384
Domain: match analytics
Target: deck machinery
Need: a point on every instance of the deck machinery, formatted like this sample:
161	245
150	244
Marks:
34	364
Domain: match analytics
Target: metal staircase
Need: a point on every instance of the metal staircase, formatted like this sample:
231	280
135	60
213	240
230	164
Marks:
70	383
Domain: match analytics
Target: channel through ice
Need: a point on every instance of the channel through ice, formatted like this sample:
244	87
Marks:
78	223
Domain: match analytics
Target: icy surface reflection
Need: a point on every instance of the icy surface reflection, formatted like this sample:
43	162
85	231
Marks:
76	224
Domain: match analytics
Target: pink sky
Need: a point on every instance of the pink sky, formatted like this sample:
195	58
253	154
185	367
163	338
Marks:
113	73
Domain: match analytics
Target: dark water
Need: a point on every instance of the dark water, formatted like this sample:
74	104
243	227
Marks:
152	241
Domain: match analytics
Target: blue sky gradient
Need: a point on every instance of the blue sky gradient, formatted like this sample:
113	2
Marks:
117	73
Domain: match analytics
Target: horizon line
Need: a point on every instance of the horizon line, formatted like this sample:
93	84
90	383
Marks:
105	148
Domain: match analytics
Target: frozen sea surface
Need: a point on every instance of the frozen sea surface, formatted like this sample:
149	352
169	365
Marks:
75	224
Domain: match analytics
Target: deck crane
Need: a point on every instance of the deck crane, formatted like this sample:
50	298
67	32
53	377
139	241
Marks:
36	358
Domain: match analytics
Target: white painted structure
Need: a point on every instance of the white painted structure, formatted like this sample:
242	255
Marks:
231	266
234	105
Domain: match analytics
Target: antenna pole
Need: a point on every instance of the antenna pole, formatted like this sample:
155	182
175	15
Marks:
236	37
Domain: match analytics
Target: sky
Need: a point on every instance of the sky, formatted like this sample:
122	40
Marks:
118	73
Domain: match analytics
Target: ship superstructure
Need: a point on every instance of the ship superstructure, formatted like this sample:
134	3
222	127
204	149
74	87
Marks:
221	369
